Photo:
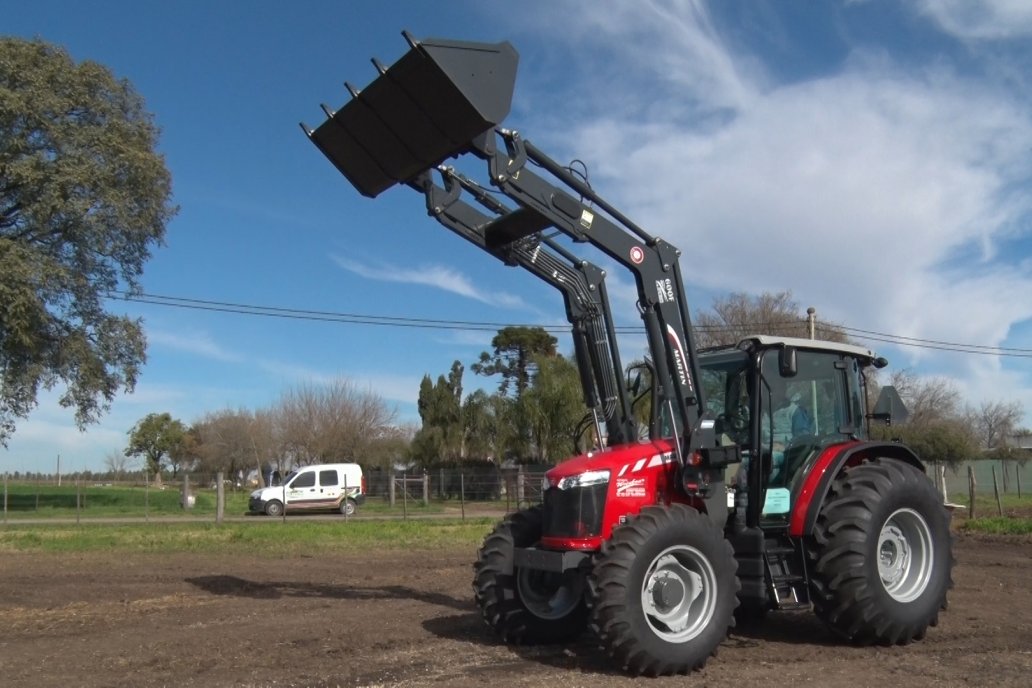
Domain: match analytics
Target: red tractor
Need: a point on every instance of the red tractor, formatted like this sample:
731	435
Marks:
757	487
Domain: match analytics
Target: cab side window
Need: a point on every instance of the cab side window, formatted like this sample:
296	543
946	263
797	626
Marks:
327	478
304	480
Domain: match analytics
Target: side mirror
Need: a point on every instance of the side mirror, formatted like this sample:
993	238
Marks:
889	407
788	363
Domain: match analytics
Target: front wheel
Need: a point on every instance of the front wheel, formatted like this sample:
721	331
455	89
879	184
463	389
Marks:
526	606
881	554
348	507
664	591
274	508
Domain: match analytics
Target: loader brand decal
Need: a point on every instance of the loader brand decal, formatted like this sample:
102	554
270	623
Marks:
647	462
586	218
630	487
680	360
665	290
637	255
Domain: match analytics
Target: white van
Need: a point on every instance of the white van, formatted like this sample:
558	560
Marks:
325	487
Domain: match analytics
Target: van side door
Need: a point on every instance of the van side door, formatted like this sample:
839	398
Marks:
302	492
331	490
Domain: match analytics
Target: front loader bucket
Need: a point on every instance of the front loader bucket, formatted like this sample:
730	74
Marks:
426	107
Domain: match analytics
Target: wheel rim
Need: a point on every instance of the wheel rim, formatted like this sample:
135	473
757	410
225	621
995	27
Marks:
905	552
549	595
679	594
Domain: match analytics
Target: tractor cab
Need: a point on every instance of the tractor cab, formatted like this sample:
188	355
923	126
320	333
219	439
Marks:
785	400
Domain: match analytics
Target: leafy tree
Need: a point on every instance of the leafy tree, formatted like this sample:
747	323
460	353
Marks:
948	440
482	424
440	408
513	359
738	315
156	438
554	407
83	198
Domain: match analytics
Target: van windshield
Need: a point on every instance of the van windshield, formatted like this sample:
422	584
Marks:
290	476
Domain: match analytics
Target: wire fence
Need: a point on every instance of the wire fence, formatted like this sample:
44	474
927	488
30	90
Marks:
387	493
418	493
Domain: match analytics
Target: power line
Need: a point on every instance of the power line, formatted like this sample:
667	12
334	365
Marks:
484	326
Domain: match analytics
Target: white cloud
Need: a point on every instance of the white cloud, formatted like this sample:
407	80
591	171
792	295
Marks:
886	198
436	276
981	19
194	342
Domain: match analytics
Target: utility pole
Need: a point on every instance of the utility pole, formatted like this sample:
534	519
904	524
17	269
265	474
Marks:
811	321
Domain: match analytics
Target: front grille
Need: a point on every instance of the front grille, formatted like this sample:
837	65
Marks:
576	512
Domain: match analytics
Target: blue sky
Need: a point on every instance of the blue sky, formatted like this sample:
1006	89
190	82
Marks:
873	157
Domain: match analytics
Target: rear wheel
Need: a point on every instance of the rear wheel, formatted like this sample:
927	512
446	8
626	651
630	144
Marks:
664	591
881	554
274	508
526	606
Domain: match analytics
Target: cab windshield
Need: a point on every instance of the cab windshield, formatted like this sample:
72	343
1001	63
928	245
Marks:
817	407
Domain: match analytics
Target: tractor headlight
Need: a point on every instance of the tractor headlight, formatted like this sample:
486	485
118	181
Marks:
583	480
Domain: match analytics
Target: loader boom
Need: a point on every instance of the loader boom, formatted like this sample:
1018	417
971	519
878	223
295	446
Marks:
446	99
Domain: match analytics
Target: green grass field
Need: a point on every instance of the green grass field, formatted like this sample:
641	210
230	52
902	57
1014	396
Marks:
270	538
31	500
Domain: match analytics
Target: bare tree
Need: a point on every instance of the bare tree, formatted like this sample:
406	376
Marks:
117	464
996	421
738	315
334	422
928	399
234	441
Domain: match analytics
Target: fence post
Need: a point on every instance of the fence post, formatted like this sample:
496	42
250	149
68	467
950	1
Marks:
5	496
520	487
77	500
38	481
996	491
220	497
390	488
404	495
426	489
146	495
346	497
440	485
1006	478
971	491
462	494
1017	476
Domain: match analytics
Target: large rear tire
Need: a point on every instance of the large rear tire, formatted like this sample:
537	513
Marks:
664	591
881	554
526	607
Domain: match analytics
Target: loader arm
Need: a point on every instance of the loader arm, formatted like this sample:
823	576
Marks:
445	99
581	283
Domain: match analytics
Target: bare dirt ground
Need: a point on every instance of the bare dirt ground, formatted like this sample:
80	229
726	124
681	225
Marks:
407	619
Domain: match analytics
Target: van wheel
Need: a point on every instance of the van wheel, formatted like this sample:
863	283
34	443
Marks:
348	507
274	508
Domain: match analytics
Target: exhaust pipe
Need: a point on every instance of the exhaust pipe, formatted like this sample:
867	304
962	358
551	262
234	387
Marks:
426	107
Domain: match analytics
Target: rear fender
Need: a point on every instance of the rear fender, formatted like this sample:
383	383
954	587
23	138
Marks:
829	464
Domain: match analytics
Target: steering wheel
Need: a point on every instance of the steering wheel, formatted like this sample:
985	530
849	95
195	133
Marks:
735	420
